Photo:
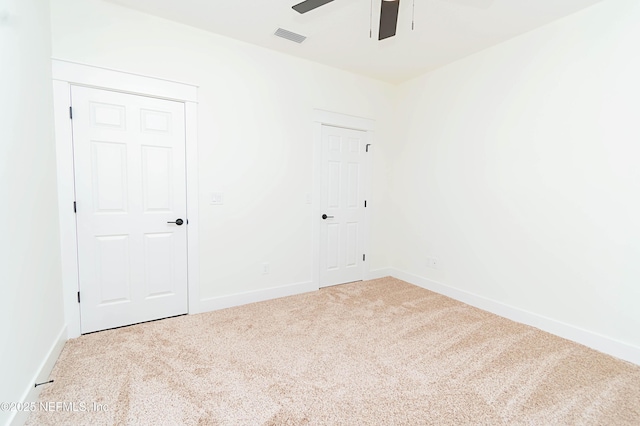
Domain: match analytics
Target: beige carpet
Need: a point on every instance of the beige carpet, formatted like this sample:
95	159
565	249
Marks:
379	352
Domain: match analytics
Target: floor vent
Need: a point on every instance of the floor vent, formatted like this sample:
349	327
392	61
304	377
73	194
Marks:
290	35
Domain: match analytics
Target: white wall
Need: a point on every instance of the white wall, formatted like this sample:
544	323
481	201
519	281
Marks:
31	318
255	132
518	168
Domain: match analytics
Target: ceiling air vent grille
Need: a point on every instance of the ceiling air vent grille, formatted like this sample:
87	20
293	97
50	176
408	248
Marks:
290	35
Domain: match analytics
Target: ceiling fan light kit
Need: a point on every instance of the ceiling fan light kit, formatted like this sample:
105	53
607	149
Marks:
388	14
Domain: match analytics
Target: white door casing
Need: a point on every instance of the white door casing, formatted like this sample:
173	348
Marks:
129	155
65	74
342	201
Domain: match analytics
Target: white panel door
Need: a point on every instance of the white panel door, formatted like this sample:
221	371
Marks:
129	157
342	204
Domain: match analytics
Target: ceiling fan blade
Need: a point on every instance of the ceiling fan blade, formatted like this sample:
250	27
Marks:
308	5
388	18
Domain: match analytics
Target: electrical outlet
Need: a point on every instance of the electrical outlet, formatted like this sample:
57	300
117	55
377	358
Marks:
265	268
435	263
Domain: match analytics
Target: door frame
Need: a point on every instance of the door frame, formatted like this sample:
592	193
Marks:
328	118
66	74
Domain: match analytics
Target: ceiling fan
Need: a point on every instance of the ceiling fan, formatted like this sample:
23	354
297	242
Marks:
388	14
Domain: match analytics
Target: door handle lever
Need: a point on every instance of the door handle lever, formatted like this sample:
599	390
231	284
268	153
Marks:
178	222
324	216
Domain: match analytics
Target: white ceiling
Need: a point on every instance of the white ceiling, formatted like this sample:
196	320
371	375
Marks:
338	33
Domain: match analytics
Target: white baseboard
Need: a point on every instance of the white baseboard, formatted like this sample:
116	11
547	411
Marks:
379	273
222	302
576	334
42	375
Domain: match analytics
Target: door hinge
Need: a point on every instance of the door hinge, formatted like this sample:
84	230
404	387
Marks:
366	148
365	203
71	113
364	256
75	208
78	297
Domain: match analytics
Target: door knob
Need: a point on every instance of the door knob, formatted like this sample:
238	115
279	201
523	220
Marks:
324	216
178	222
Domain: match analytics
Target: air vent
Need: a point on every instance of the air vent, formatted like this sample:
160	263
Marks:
290	35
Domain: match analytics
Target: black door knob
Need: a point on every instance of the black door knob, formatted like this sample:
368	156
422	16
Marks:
324	216
178	222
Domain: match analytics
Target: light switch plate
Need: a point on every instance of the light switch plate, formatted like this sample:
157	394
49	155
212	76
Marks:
217	198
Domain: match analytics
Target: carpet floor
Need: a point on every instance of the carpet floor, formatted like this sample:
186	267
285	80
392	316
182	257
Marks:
380	352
